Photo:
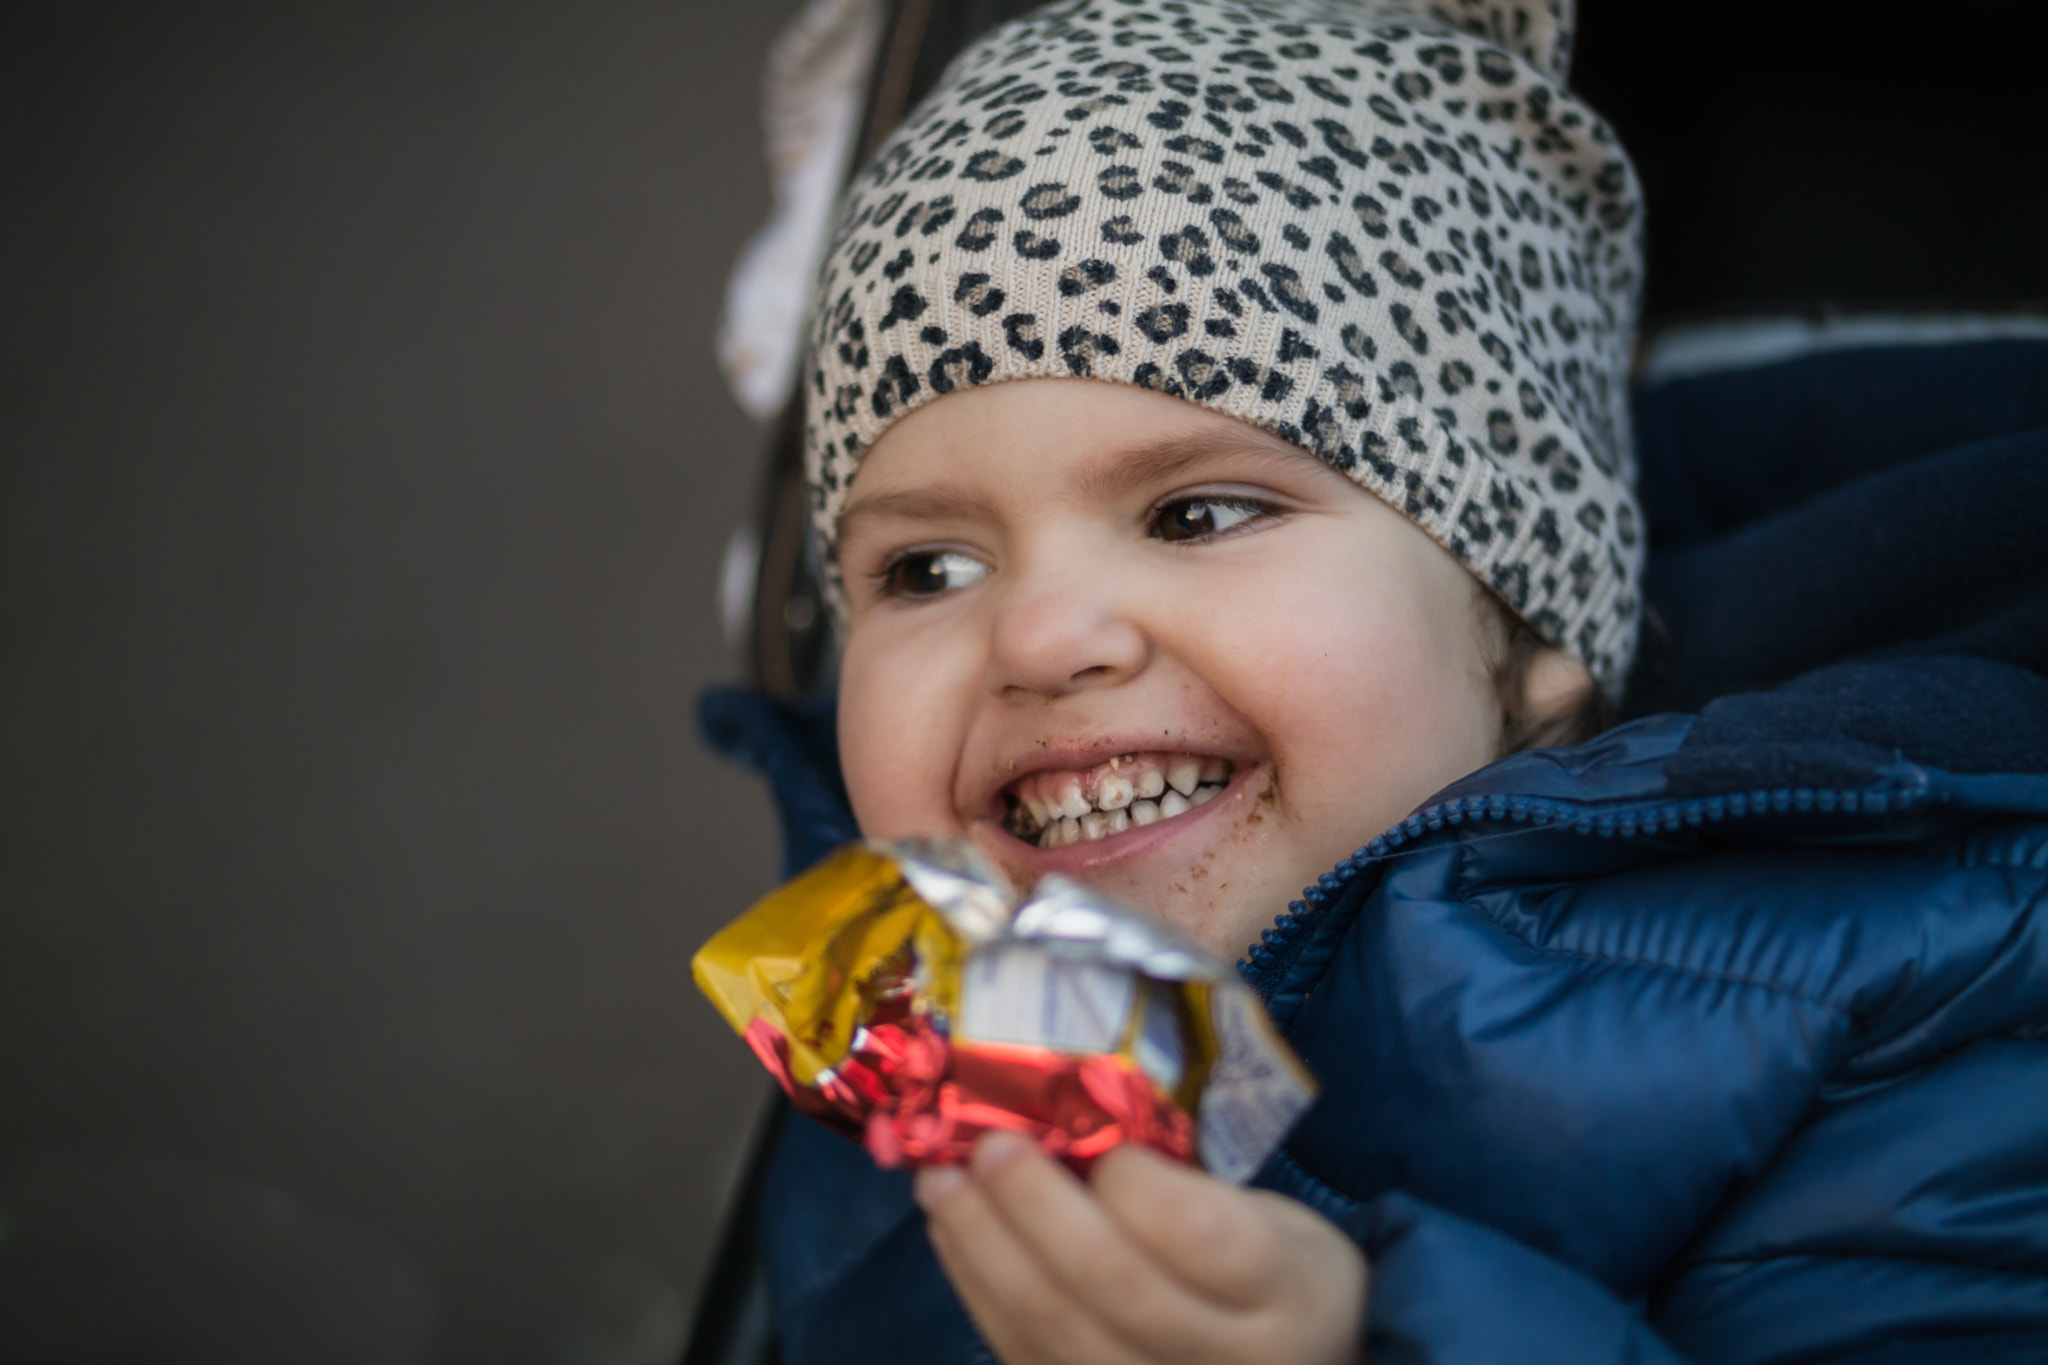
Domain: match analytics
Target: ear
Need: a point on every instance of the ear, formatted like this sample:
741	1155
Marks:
1556	687
1537	31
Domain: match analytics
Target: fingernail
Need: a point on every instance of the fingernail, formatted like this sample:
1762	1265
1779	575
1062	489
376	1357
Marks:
997	1150
935	1183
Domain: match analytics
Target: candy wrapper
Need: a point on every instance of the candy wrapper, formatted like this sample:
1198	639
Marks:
902	994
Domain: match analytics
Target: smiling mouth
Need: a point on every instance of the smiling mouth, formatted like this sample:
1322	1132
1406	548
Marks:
1076	806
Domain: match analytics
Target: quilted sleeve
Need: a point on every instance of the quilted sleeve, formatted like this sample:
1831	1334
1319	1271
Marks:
1914	1210
1911	1203
1449	1292
851	1274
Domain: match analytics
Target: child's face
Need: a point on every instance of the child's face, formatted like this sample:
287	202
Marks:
1072	593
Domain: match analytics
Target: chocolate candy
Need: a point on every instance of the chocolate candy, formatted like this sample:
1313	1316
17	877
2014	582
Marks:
902	993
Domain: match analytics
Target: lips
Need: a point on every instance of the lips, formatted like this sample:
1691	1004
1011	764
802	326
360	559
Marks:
1052	808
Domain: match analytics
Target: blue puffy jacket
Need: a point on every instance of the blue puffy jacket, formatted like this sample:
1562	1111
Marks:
1722	1038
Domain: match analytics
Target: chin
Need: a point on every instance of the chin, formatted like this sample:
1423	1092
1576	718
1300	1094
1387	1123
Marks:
1204	874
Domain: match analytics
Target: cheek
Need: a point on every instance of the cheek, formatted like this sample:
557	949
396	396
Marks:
898	734
1408	730
1370	703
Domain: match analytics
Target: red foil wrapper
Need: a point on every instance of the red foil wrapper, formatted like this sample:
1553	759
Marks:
913	1098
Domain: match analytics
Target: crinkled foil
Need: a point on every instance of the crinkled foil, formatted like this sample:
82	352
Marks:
902	994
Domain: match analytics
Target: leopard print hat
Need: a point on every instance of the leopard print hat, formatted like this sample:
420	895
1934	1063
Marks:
1380	229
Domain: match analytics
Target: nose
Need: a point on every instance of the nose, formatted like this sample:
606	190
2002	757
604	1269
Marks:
1057	632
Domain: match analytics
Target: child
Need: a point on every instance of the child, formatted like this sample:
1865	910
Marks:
1219	452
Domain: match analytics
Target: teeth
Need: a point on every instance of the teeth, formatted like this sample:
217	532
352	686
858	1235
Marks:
1055	809
1100	825
1069	799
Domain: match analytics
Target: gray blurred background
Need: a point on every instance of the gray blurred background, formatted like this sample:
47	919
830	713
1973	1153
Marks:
365	474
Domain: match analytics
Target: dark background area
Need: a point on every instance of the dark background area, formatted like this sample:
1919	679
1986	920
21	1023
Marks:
1825	156
364	475
365	472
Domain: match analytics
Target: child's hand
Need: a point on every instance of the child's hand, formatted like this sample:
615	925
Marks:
1149	1261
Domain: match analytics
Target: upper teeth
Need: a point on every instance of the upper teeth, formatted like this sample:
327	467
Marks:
1052	809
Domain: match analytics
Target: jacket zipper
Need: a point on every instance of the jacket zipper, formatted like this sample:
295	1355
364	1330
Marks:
1278	946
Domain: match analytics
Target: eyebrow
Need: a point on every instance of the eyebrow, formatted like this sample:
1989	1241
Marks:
1132	468
1172	456
932	502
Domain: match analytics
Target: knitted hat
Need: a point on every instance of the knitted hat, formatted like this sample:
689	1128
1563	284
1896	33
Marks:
1381	229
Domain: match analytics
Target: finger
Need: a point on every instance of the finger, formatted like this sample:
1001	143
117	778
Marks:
1065	1228
1290	1275
1225	1243
1024	1314
1022	1318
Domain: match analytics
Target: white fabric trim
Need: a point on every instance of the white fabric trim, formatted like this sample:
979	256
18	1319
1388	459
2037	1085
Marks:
1706	348
815	86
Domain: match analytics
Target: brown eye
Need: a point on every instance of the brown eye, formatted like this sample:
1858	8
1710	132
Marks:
928	573
1196	518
